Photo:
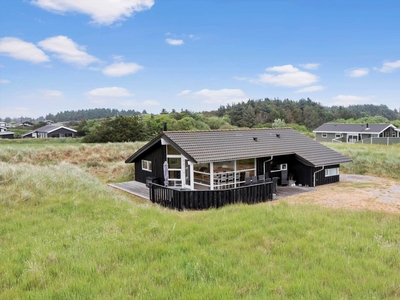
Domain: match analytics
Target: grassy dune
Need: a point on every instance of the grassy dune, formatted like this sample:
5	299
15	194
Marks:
106	161
377	160
65	235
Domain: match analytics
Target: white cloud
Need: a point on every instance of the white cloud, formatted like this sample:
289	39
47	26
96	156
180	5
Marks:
4	81
289	77
183	93
51	93
21	50
102	12
174	42
67	50
357	72
310	66
346	100
388	67
310	89
283	69
121	69
223	96
112	92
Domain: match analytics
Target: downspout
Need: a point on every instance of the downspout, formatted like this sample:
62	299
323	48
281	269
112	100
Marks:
323	167
268	160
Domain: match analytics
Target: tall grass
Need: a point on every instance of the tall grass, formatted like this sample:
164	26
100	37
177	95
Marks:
65	235
377	160
106	161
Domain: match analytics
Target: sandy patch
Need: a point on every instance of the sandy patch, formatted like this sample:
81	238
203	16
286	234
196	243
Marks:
355	192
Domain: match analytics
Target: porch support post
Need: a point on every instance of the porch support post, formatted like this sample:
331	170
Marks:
211	175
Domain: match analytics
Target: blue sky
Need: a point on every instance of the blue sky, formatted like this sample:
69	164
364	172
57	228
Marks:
58	55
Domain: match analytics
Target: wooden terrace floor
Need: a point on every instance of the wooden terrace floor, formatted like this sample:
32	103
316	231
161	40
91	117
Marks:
133	187
140	189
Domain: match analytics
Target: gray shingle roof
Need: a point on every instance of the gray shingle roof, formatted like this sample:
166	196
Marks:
222	145
352	128
47	129
50	128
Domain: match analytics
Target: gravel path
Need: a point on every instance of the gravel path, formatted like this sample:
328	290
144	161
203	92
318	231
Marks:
356	192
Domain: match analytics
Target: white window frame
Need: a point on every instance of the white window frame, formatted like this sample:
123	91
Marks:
331	172
324	135
147	165
338	135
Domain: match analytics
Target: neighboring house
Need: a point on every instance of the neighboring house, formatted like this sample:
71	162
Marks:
50	131
3	124
227	159
6	135
351	133
49	122
3	128
27	124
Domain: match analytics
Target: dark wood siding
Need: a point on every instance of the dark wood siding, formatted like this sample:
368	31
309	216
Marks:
320	178
157	156
6	135
301	173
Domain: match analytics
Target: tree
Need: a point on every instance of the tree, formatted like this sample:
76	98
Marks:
118	129
278	123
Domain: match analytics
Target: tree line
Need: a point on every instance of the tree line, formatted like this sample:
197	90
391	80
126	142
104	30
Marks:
303	116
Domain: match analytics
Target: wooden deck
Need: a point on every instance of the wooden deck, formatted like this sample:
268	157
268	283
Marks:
139	189
133	187
287	191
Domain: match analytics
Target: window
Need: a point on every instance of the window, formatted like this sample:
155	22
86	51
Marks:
245	164
146	165
338	135
68	135
172	150
174	162
394	134
324	135
331	172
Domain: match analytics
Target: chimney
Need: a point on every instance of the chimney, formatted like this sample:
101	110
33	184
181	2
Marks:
164	127
367	125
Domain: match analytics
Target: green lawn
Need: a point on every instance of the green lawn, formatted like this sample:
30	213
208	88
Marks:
66	235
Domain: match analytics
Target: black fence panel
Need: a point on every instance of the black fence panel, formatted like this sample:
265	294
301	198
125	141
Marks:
198	200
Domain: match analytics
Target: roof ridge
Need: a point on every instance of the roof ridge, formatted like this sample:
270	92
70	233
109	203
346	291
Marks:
227	130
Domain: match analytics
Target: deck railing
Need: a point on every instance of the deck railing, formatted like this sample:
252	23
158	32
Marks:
204	199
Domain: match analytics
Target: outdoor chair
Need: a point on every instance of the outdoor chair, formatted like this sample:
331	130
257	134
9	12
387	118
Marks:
261	178
247	181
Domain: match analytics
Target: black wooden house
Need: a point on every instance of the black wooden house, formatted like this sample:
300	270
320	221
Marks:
229	159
